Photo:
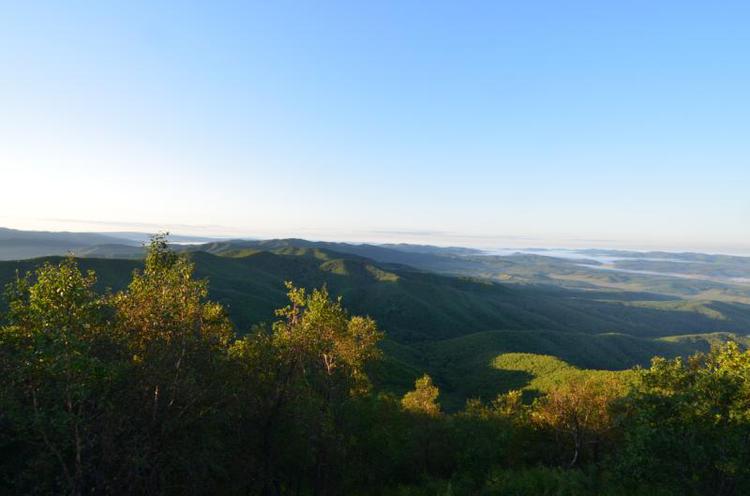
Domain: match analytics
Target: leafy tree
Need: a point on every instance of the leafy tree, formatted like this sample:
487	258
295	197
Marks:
481	435
58	366
510	405
429	439
689	424
178	343
579	413
423	400
314	362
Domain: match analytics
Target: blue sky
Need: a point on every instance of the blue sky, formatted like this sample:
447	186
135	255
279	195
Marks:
476	123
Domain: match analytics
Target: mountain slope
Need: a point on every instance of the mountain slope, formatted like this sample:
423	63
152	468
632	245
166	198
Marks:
486	364
415	306
453	328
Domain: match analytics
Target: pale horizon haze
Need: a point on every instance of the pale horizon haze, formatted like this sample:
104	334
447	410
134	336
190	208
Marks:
487	124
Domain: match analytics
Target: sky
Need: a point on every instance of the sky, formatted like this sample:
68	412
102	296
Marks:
603	124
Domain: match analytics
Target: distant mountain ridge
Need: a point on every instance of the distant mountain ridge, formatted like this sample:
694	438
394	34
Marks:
73	238
695	276
18	244
15	244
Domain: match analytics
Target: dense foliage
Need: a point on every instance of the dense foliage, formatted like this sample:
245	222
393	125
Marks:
149	390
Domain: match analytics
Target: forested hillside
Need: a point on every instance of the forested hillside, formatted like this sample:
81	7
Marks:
150	389
416	305
449	326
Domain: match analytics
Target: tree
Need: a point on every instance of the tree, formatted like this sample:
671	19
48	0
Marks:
59	365
314	361
428	434
689	424
178	344
579	412
423	400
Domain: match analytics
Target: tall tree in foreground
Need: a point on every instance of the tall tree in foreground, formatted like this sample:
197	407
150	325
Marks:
579	413
689	424
314	362
58	365
422	404
178	343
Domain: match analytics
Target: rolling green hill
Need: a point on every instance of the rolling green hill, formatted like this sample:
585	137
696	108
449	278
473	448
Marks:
675	275
415	306
452	327
481	364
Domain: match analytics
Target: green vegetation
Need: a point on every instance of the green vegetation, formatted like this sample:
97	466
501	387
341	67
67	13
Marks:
656	275
417	306
149	390
465	366
549	373
450	327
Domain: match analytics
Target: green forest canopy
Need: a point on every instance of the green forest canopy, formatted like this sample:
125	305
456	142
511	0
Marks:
150	390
